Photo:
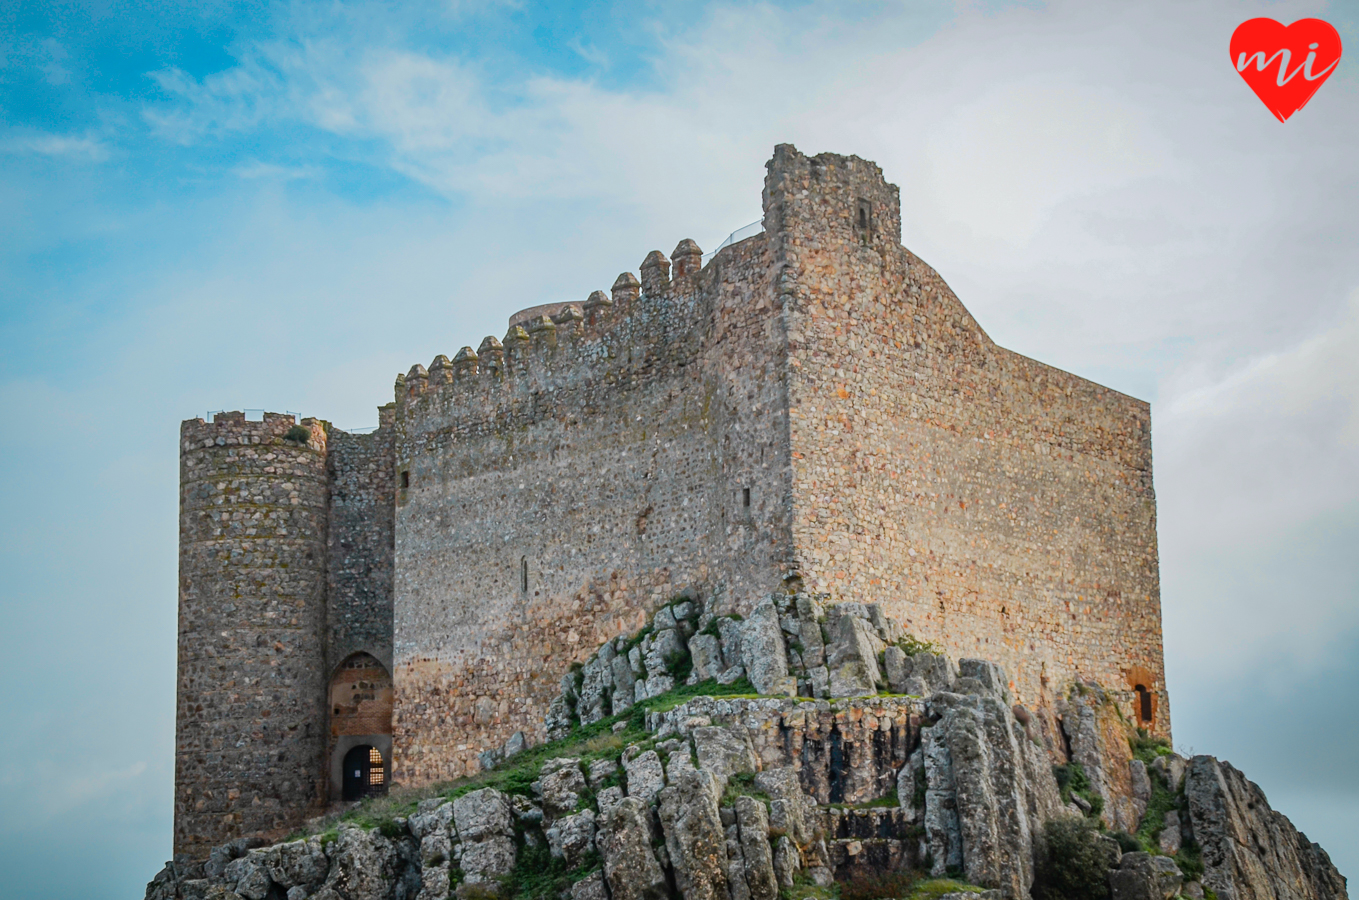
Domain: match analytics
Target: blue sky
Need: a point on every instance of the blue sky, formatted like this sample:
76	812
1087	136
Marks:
282	205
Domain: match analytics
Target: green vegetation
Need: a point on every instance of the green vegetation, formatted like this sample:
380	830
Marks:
1071	864
908	885
910	646
933	888
1072	781
538	875
742	785
516	775
805	889
298	434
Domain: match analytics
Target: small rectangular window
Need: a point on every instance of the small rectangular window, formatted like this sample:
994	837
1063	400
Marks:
523	574
405	480
745	497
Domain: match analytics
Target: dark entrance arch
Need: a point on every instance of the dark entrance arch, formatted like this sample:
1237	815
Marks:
364	773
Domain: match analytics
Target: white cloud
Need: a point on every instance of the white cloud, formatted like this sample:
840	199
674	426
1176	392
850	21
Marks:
78	149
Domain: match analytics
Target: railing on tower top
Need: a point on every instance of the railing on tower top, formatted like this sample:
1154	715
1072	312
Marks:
740	234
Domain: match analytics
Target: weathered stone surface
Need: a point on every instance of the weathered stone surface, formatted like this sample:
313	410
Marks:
852	655
661	651
1099	743
608	798
897	668
249	876
624	685
1170	839
601	770
706	652
935	670
763	652
753	822
571	837
1141	788
364	865
561	784
790	810
591	887
1250	851
1002	784
1172	767
786	862
624	841
694	836
429	817
1141	876
487	859
645	775
481	814
724	751
298	863
736	863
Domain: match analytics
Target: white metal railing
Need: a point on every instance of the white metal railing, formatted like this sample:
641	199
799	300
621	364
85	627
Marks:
740	234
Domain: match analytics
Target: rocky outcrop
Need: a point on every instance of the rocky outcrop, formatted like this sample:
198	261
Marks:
868	753
1251	852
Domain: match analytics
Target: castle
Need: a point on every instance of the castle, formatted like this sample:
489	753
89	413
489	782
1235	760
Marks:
811	409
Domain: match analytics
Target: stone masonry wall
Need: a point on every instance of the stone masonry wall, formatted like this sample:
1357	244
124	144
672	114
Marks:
993	504
361	544
250	716
564	484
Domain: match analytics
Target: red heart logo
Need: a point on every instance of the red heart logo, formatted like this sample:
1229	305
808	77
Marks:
1285	65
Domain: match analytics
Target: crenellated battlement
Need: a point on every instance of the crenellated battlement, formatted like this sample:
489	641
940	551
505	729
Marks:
233	428
636	330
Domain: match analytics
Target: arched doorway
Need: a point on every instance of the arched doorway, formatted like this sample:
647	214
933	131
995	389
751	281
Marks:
360	728
365	773
1143	686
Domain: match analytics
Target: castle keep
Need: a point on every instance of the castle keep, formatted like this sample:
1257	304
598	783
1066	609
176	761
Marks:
812	409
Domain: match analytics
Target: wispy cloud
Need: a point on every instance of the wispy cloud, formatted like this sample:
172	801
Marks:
83	148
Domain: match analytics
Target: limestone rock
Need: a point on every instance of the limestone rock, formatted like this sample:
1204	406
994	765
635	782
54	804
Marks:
1141	876
249	876
645	775
935	671
1141	788
630	867
852	654
591	887
897	668
1251	852
1002	788
786	862
488	859
481	814
790	811
364	865
660	652
706	653
571	837
1170	838
753	822
763	652
601	770
298	863
561	784
608	798
429	817
1171	767
624	685
694	836
732	632
1099	743
724	751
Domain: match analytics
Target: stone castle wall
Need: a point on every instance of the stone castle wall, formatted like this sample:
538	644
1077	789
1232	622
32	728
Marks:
565	483
249	725
361	544
813	407
993	504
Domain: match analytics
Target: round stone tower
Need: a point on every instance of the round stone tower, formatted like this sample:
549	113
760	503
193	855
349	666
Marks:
250	728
